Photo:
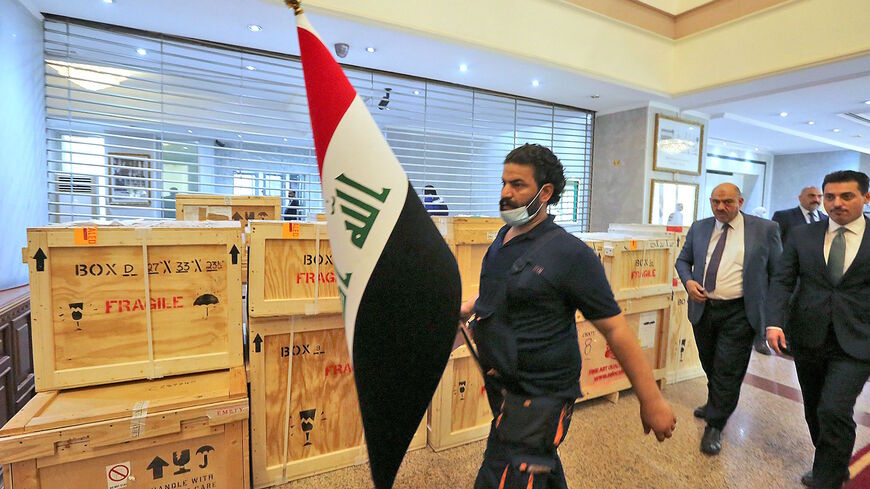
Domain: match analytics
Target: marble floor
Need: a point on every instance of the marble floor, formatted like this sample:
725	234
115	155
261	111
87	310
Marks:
765	445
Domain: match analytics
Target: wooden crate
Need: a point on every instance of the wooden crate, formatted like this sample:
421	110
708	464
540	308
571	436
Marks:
649	318
678	233
188	431
460	411
291	270
198	207
468	239
126	302
636	266
683	361
314	408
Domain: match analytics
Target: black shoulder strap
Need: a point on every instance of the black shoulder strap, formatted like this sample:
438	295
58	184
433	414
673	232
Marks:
549	235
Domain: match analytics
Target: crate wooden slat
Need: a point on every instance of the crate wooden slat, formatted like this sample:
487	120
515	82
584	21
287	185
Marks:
468	239
95	289
291	270
198	207
189	430
321	389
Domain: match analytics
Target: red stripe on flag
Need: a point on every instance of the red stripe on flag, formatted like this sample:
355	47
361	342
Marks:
329	92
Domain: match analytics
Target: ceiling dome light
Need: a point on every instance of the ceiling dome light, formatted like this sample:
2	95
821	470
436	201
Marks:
536	83
463	67
416	92
783	114
250	68
812	123
142	52
836	129
370	49
255	28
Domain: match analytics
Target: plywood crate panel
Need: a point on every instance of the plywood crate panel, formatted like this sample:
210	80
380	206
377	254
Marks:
113	303
683	361
310	424
468	239
187	431
291	270
460	411
649	318
636	266
677	233
199	207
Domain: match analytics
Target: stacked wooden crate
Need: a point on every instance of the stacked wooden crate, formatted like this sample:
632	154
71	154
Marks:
243	209
137	359
683	362
305	415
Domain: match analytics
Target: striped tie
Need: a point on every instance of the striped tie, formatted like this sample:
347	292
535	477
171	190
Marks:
837	256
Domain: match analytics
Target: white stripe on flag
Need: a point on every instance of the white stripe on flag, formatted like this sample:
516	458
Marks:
359	152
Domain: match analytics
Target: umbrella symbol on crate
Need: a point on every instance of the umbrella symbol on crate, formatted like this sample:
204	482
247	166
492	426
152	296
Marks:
206	300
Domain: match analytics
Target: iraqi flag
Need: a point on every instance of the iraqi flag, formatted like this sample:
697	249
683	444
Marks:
398	281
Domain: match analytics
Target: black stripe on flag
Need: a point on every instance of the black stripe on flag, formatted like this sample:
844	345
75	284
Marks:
404	332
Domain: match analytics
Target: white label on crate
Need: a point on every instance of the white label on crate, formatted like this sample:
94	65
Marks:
608	249
137	422
647	329
118	475
191	212
222	413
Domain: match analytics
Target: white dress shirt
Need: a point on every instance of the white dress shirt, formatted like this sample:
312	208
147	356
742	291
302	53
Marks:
729	279
808	214
854	235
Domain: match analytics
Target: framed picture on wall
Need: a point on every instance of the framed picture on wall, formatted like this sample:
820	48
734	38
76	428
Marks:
673	203
678	145
129	182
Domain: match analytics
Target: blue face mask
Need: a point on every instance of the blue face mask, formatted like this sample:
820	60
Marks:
520	216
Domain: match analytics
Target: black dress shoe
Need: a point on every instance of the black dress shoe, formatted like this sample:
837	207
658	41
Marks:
807	478
711	442
701	411
760	346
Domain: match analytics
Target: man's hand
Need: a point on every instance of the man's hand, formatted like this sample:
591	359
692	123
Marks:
696	291
658	417
776	340
467	309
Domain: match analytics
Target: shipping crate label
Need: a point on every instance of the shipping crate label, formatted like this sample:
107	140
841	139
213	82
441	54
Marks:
291	230
469	403
85	236
118	475
200	463
323	411
94	291
600	366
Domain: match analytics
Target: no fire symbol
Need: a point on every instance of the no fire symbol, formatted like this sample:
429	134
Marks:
118	475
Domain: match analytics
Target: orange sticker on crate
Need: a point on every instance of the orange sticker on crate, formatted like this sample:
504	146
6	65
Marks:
291	230
633	244
85	236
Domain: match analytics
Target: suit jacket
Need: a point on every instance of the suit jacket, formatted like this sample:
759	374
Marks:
761	250
819	303
791	218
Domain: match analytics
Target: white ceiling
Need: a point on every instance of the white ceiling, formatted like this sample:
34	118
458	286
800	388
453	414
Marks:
746	113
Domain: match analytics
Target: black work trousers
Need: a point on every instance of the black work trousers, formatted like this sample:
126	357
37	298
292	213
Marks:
724	338
830	382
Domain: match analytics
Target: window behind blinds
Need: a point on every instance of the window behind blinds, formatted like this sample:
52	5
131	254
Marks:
134	118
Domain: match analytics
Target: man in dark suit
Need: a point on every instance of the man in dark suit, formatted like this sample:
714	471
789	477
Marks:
725	265
806	212
828	323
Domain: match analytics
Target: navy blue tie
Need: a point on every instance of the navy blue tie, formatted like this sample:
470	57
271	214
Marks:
713	266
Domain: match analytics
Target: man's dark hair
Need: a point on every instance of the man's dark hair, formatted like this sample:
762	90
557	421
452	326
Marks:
548	168
841	176
429	190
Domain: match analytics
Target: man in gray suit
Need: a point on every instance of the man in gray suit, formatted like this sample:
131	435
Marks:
725	266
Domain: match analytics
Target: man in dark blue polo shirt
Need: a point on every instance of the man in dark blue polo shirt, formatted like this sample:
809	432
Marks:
533	279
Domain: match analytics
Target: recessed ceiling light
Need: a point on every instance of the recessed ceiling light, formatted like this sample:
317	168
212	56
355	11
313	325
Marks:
190	131
867	102
285	140
141	52
185	147
370	49
239	135
595	96
416	92
836	129
250	68
535	83
463	67
811	122
108	1
783	114
255	28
